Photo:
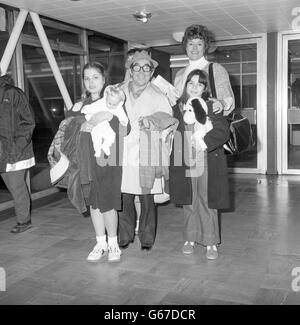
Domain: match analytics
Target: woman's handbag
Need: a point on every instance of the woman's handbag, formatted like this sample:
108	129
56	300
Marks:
241	137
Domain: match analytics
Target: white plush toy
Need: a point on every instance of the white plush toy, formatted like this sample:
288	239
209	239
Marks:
195	112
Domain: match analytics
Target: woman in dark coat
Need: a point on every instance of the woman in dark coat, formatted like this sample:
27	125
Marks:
202	187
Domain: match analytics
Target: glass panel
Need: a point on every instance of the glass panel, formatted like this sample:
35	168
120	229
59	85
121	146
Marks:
241	63
293	120
54	34
4	37
110	53
47	103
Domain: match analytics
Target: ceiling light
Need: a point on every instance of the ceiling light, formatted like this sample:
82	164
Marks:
178	36
142	16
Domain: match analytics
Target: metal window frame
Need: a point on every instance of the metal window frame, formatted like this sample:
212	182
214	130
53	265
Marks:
282	101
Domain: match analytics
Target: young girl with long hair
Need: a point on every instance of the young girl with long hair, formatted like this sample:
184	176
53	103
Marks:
200	183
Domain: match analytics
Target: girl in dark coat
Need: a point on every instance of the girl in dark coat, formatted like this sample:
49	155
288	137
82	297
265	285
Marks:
104	195
198	166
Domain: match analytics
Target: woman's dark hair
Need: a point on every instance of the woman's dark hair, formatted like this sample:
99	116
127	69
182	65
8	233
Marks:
94	65
196	31
202	79
97	66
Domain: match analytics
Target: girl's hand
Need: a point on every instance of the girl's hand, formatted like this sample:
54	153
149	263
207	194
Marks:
217	105
86	127
100	117
198	142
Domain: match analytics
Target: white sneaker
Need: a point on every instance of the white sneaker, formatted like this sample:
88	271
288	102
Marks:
161	198
114	254
188	248
211	252
96	254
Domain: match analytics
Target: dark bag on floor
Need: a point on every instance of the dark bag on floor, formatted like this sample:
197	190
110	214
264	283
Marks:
241	137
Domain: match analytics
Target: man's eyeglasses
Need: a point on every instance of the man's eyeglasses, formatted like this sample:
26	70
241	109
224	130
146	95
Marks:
145	68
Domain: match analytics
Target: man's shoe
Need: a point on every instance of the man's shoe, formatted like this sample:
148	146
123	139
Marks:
96	254
21	227
188	248
212	252
146	248
124	246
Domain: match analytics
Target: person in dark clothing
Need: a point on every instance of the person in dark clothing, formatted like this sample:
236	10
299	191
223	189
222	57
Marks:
16	153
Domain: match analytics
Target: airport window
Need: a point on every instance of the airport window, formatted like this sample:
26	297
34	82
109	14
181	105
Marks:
241	63
110	53
55	31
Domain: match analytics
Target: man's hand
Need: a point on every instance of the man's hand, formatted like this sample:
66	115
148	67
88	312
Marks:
166	134
100	117
172	95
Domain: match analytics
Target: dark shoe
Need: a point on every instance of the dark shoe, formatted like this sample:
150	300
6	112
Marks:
21	227
146	248
123	246
86	214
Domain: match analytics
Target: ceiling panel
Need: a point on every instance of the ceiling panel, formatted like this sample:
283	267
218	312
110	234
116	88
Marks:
114	17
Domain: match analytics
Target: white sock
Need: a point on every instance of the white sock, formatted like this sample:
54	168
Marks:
113	241
102	241
191	242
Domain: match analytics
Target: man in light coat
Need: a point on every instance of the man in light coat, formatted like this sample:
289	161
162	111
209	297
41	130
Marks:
142	99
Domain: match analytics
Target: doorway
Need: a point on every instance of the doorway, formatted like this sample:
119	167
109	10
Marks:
289	103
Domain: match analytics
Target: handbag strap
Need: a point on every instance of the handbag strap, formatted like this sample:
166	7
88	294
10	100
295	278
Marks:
230	116
212	80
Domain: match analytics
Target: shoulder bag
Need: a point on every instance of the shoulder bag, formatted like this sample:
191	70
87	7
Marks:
241	137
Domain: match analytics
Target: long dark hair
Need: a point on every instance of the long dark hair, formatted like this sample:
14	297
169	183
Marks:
100	68
202	78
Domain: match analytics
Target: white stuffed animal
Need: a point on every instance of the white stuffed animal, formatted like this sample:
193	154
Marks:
195	112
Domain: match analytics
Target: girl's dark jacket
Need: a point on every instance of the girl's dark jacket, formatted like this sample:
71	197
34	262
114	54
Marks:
181	186
16	128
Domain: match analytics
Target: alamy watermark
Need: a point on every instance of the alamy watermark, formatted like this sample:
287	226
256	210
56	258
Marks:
153	153
296	281
2	279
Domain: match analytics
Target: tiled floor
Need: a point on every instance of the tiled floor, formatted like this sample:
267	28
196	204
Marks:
260	248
